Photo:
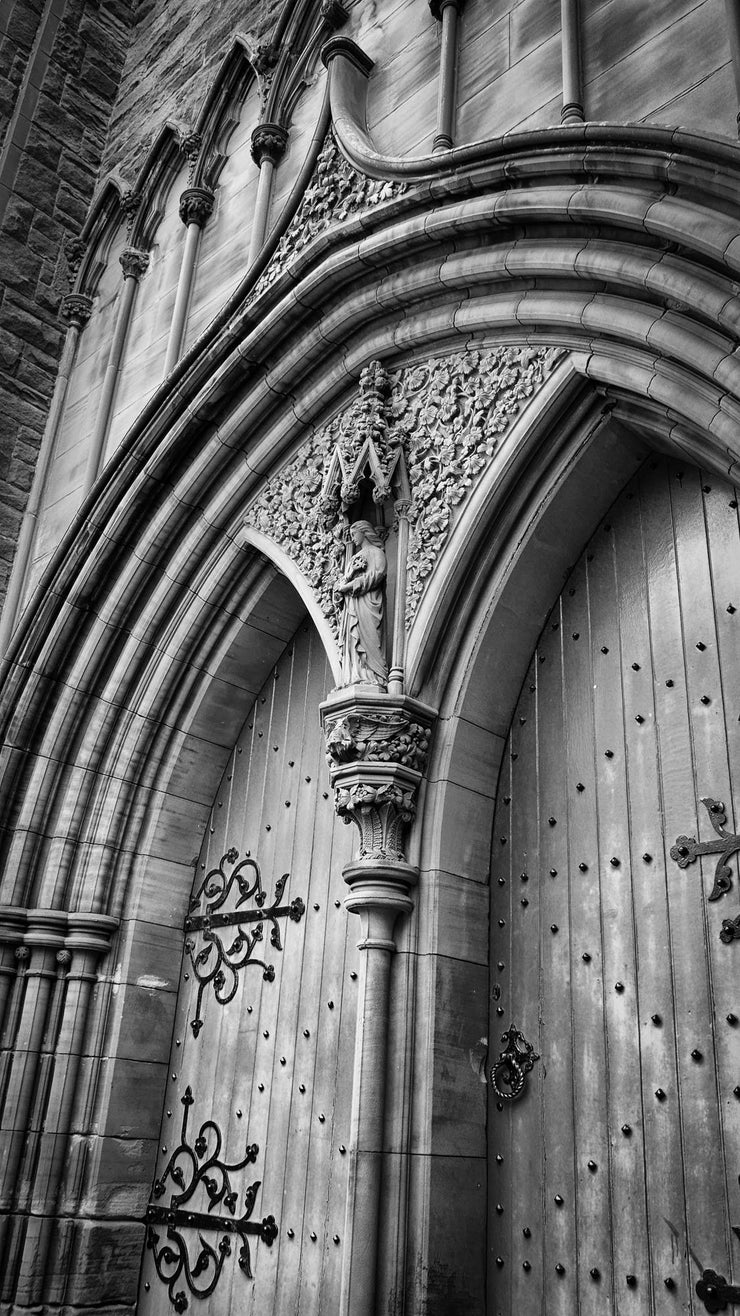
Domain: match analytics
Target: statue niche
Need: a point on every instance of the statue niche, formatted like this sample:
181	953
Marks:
359	598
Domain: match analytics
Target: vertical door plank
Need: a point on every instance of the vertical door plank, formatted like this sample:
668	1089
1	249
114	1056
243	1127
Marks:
721	517
639	713
504	1256
589	1051
556	1043
647	696
521	975
265	806
295	812
706	1205
631	698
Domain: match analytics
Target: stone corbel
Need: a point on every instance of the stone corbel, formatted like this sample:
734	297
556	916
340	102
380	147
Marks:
377	747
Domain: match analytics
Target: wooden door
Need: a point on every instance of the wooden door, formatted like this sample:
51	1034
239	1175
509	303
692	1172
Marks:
614	1175
247	1211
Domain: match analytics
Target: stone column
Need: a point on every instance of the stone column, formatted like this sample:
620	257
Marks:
732	8
134	264
570	28
377	748
75	309
43	1041
269	141
196	208
446	12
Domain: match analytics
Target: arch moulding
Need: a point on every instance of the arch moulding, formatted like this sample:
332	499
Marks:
153	627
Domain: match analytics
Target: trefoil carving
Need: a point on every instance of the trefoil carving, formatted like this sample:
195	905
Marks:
201	1183
687	849
215	963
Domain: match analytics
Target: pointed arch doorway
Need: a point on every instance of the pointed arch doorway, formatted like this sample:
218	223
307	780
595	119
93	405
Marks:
613	1177
247	1208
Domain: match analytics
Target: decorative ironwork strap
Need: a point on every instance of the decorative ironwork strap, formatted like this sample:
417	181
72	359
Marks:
716	1293
194	1168
508	1074
687	849
213	962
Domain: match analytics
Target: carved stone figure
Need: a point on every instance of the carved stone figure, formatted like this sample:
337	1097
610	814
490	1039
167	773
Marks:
360	595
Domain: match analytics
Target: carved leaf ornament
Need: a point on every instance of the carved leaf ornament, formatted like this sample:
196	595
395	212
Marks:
335	193
445	418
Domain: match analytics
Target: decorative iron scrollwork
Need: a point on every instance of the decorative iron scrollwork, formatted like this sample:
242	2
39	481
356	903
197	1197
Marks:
214	962
192	1168
715	1292
687	849
509	1073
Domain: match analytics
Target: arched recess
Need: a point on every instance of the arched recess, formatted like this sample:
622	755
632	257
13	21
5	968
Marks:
504	567
118	790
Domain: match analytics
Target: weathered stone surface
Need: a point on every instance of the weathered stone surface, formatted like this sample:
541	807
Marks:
58	157
185	45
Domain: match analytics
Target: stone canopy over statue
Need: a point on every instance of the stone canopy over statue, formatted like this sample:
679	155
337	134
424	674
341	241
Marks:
359	596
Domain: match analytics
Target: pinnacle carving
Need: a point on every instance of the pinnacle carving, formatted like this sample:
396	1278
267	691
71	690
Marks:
134	263
196	206
190	147
362	445
334	14
74	251
129	207
269	141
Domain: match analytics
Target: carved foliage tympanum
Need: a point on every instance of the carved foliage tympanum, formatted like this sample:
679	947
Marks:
450	416
445	418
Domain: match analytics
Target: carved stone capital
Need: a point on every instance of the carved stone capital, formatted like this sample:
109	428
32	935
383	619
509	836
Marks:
134	263
196	206
377	747
76	308
55	930
333	13
438	7
269	141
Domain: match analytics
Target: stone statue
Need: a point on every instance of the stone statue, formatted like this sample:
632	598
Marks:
360	596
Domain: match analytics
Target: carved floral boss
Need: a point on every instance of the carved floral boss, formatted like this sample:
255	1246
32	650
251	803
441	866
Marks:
687	849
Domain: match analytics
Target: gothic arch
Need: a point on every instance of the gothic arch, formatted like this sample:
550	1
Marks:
146	605
468	272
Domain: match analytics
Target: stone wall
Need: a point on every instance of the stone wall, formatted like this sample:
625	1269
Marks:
61	64
175	54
